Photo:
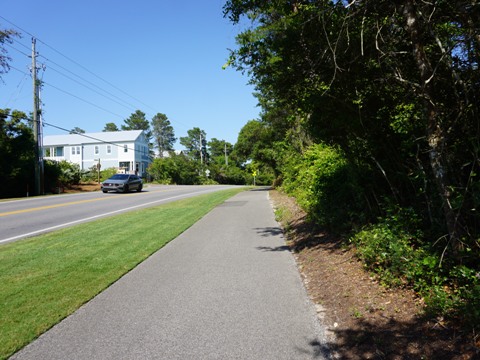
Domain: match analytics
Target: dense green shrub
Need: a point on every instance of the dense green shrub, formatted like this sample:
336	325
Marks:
395	251
232	175
207	181
52	173
175	169
91	174
104	174
88	175
388	248
60	174
159	172
325	185
224	174
69	173
16	154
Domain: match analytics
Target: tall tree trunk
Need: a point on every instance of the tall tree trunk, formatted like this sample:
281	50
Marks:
434	131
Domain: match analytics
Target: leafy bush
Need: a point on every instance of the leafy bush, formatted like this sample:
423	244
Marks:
176	169
16	154
388	247
325	186
52	173
104	174
60	174
89	175
69	173
159	171
208	181
393	249
230	174
233	175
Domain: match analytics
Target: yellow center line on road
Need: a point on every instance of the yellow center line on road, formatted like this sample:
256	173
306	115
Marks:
49	207
40	208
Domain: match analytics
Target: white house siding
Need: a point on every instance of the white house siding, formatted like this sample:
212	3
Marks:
84	155
75	155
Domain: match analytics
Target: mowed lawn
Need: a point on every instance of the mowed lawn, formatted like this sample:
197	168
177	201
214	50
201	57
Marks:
46	278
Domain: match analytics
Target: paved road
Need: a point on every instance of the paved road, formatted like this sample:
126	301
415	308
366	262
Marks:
227	288
31	216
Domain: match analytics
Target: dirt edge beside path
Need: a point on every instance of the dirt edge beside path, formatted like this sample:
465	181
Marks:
365	320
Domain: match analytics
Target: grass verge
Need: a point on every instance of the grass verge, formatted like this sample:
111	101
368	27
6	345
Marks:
46	278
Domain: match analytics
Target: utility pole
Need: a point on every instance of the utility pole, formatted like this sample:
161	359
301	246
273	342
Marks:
226	156
36	125
40	140
201	149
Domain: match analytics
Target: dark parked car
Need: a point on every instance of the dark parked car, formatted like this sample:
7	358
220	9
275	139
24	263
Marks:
123	183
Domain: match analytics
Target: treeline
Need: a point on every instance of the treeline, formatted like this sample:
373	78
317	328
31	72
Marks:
17	156
201	161
371	120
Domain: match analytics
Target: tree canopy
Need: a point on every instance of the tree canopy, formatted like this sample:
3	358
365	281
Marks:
77	130
163	133
110	127
6	37
391	86
195	143
217	148
16	143
138	121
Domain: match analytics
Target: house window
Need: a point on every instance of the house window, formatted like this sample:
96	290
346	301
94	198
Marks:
47	152
78	150
109	149
96	150
73	150
58	151
125	165
125	148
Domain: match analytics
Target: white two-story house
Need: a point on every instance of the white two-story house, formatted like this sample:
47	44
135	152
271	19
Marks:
127	151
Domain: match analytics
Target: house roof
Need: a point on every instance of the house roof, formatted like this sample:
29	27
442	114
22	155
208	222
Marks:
92	138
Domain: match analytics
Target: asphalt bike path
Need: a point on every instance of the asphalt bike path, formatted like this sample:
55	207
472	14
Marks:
227	288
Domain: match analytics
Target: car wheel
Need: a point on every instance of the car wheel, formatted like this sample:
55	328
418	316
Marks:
125	189
139	188
104	191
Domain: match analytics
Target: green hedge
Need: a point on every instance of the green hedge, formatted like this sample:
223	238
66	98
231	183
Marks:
325	186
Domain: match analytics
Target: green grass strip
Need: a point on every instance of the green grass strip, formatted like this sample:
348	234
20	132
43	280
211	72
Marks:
46	278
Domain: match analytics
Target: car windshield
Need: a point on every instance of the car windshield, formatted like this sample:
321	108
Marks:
119	177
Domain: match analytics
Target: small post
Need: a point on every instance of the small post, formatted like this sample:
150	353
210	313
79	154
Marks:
98	169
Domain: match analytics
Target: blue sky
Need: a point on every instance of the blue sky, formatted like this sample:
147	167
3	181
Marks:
160	56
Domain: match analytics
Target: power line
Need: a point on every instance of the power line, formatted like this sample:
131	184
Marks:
76	133
88	136
130	107
81	99
77	63
123	103
20	71
120	101
18	90
83	79
20	51
18	27
72	95
95	75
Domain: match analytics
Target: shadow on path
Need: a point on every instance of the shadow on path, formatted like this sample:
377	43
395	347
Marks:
269	231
